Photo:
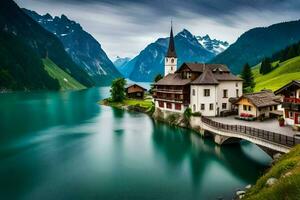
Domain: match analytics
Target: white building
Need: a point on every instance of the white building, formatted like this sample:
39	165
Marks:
205	88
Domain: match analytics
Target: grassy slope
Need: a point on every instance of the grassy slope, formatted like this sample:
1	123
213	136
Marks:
57	73
287	71
145	103
287	171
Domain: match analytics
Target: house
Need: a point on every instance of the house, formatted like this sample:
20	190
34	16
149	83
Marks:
135	91
290	94
261	104
204	88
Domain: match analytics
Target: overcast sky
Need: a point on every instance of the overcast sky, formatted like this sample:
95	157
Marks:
125	27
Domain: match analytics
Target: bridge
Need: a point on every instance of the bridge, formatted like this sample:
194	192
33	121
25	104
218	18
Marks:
268	141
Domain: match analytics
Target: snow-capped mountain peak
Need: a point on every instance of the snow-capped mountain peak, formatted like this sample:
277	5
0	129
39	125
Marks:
213	45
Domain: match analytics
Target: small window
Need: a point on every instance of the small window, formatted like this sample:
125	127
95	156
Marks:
236	84
275	108
225	93
169	105
161	104
172	60
291	115
237	92
211	106
171	68
194	108
194	92
249	108
177	106
271	108
224	105
202	106
244	107
206	92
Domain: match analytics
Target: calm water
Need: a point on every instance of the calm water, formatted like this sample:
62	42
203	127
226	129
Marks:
65	146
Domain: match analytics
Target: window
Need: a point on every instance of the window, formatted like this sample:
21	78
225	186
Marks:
291	115
161	104
237	92
225	93
172	60
244	107
202	106
177	106
271	108
171	68
249	108
224	105
211	106
194	92
169	105
236	84
275	108
206	92
194	108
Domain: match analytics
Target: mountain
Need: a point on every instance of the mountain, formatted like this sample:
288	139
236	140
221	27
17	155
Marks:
213	45
257	43
120	63
85	51
150	61
25	42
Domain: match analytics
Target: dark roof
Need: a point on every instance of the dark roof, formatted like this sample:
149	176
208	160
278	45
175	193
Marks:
226	77
129	85
292	83
172	79
200	67
261	99
206	78
171	50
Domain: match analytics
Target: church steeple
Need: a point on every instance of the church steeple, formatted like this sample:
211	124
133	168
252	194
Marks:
171	50
171	56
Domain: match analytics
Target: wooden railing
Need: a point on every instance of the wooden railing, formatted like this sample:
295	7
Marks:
168	90
291	100
253	132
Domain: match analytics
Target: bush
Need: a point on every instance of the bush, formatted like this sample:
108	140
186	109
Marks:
197	114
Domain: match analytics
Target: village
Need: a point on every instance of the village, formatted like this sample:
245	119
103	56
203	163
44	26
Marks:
213	99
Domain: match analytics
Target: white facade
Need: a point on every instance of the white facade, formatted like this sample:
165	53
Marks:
170	106
170	65
217	99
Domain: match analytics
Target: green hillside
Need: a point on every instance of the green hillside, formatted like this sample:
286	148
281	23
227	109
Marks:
66	82
281	75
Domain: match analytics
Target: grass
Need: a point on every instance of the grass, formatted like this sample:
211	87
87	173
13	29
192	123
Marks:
287	171
66	82
280	76
144	103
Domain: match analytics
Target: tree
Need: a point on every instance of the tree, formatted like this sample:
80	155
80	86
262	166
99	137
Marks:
265	66
187	116
248	78
157	78
117	90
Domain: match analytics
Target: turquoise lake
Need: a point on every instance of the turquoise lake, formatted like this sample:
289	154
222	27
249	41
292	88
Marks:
64	145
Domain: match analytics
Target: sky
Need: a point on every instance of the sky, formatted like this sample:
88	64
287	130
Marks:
125	27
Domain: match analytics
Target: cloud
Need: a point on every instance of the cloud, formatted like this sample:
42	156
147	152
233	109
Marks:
125	27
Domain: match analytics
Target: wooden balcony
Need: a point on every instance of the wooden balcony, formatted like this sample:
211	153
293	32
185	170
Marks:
171	91
291	104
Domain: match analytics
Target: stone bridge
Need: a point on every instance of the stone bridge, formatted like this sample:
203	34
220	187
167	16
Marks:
268	141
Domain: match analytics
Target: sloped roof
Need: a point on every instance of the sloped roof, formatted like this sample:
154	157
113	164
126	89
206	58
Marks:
261	99
227	77
290	84
173	79
129	85
200	67
206	78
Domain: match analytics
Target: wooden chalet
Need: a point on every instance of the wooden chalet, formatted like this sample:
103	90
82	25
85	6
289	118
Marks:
135	91
291	102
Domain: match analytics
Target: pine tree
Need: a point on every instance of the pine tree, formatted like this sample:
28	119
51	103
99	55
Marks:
265	66
248	78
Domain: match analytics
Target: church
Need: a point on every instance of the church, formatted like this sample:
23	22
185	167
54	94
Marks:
205	88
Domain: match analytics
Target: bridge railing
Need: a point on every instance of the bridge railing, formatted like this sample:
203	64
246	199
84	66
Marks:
253	132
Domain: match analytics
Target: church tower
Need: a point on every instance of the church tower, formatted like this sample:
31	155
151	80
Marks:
171	57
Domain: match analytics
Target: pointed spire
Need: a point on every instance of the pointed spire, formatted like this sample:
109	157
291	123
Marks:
171	50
